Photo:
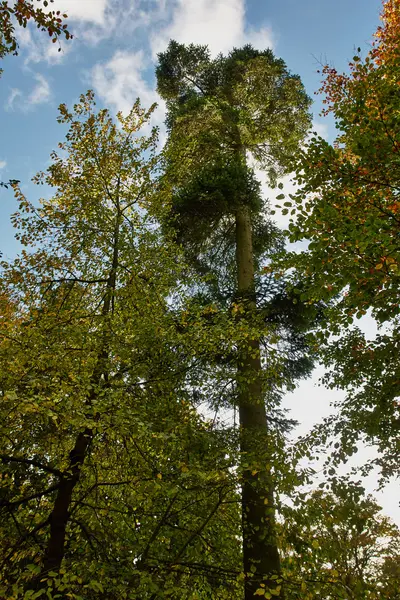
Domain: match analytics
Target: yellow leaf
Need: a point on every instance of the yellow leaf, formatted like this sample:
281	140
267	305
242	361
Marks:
378	267
276	591
159	476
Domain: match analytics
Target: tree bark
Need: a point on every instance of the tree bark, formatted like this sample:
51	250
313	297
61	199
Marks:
60	514
261	560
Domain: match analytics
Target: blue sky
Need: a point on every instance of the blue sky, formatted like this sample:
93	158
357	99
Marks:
113	52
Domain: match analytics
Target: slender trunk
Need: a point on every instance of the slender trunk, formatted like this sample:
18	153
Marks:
60	513
260	552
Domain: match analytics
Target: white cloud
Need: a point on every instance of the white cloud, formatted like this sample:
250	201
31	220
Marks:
36	46
41	92
2	164
92	21
120	81
93	11
218	23
88	21
14	94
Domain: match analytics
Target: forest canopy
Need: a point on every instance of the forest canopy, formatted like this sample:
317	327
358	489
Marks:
156	317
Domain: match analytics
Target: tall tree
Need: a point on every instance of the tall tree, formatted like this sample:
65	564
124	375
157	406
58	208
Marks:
348	210
219	110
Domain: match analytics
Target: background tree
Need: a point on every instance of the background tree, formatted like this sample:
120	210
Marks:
218	111
339	545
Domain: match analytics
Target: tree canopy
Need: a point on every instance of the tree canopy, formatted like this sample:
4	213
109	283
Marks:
154	320
99	494
339	545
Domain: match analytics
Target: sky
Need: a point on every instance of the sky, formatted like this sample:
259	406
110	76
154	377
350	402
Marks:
114	51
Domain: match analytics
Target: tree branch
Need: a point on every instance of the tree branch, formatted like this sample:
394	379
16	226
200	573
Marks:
16	503
34	463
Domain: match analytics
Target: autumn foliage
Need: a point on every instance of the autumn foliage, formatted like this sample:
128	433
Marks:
348	207
348	211
23	12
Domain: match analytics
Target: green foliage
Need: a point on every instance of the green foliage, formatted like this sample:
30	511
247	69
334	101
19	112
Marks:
247	100
347	206
206	172
180	68
369	370
115	340
209	202
100	439
219	109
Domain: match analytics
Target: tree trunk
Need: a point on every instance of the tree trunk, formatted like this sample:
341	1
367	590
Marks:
260	552
60	513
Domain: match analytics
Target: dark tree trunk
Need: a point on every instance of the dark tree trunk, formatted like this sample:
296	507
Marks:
60	513
260	552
